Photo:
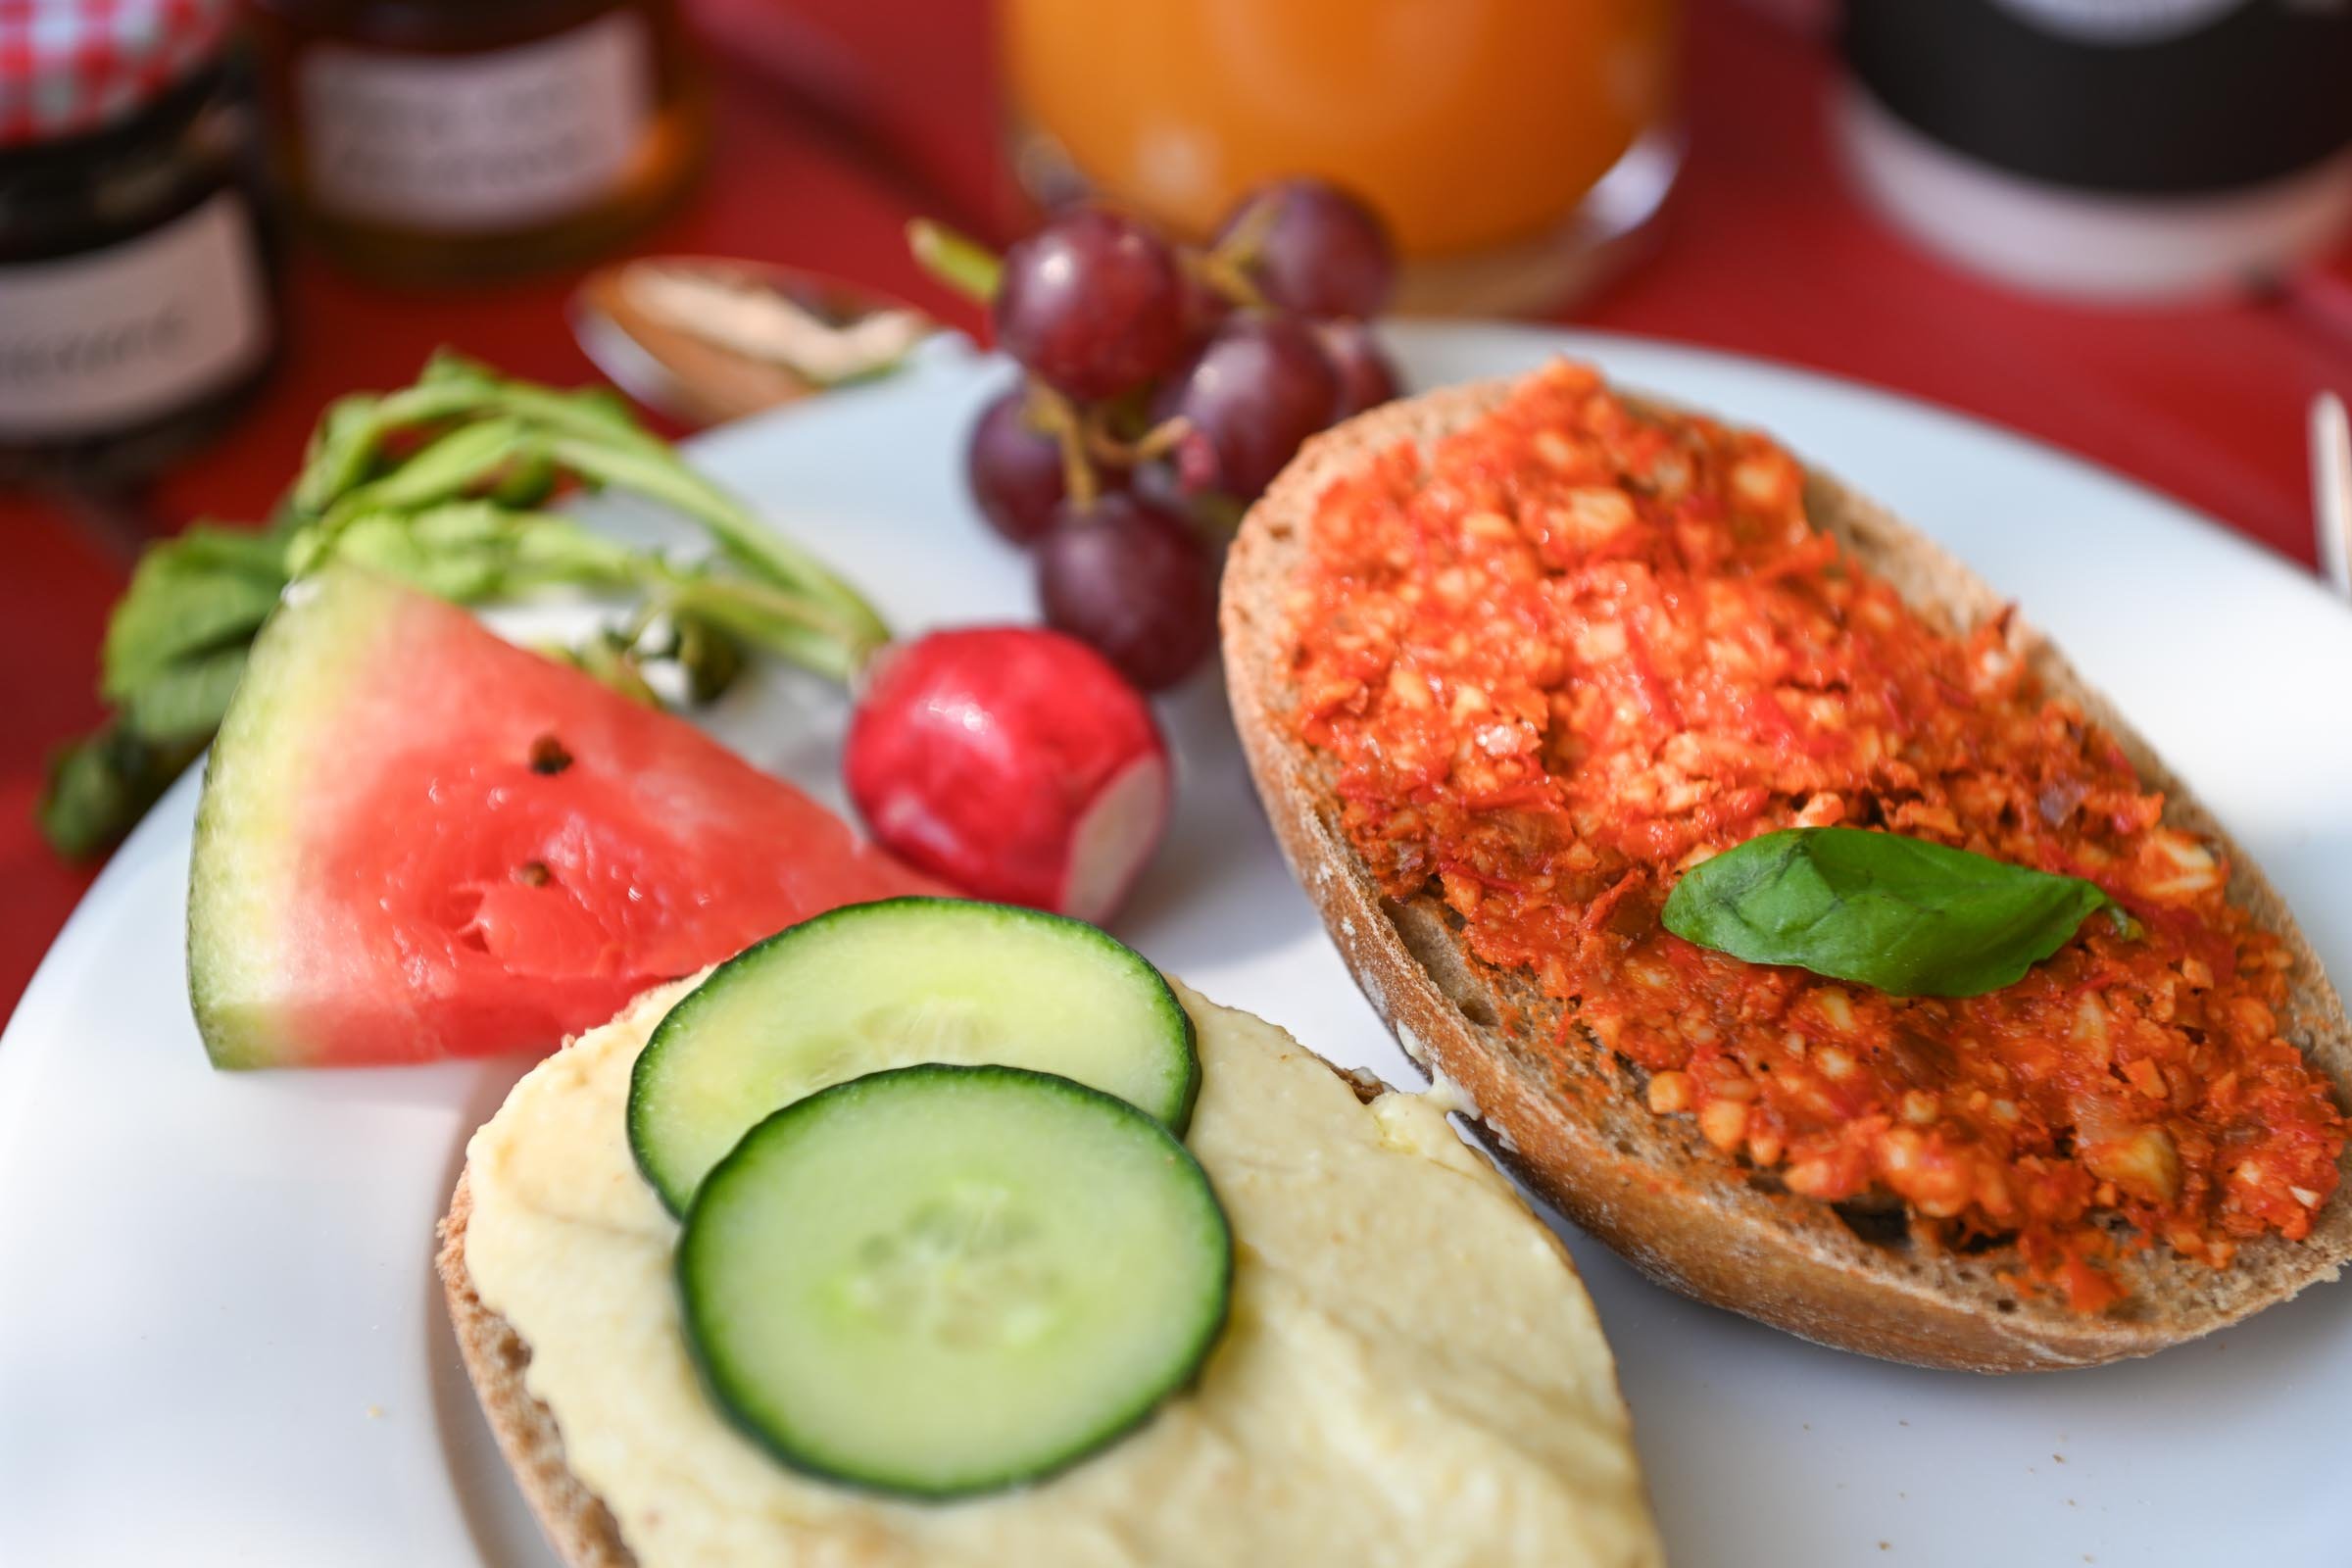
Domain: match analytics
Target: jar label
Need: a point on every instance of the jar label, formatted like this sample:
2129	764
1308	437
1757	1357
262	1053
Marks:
477	143
97	342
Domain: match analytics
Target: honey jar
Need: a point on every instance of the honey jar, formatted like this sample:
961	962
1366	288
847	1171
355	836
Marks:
446	139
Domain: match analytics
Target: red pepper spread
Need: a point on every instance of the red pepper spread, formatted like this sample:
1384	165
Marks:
1587	648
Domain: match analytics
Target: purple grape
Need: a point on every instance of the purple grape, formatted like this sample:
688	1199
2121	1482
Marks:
1016	471
1366	378
1205	309
1324	254
1092	303
1132	580
1252	395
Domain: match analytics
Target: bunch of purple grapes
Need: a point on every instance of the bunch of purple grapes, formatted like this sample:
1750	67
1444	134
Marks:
1163	388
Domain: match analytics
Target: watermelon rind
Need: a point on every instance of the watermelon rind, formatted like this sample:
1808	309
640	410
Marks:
326	636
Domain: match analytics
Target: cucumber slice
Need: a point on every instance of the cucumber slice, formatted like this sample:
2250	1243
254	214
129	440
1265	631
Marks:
888	985
941	1280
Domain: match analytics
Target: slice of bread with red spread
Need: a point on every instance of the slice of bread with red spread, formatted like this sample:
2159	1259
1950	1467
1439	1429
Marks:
1574	1118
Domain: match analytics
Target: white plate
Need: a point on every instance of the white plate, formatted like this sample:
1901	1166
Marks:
220	1340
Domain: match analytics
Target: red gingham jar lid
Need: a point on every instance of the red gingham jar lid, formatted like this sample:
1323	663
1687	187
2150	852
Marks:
73	65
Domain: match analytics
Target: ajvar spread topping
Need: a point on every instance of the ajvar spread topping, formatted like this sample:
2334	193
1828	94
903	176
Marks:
1582	648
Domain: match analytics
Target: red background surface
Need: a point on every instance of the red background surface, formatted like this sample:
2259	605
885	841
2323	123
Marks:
1765	251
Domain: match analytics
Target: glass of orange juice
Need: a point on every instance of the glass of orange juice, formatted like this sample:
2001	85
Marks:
1514	146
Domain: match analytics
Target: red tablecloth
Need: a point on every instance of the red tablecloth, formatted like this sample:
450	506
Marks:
1765	251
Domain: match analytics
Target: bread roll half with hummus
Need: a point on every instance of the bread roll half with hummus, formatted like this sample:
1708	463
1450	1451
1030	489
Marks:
1709	1216
1412	1374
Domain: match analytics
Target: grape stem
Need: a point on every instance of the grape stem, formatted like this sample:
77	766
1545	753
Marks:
1083	435
1225	266
957	261
1052	413
1153	445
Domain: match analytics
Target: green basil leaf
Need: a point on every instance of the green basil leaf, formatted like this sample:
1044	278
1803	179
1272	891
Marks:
1900	914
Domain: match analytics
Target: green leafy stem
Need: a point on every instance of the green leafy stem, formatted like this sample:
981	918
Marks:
445	485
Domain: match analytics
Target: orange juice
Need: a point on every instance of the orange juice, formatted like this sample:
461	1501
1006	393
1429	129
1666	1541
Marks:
1472	125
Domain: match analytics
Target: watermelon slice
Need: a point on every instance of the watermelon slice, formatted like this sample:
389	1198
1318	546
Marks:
418	840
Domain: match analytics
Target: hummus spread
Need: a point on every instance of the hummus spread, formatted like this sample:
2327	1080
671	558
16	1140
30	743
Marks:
1412	1375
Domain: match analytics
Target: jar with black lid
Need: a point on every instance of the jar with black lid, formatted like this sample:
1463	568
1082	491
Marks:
2107	149
138	267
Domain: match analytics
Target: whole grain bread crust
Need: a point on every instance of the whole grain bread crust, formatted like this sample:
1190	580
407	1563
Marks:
574	1519
1574	1124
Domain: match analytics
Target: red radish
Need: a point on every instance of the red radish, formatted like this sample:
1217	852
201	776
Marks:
1012	761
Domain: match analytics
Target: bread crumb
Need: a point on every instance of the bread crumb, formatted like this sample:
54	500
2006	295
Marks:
1885	1546
2060	1457
375	1413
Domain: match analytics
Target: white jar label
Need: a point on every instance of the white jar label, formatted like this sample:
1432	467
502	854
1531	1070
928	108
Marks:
99	341
477	143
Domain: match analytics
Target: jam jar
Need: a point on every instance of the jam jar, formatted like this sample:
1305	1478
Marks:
138	270
431	140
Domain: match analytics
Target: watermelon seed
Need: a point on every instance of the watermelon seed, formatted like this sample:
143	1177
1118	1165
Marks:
533	873
549	757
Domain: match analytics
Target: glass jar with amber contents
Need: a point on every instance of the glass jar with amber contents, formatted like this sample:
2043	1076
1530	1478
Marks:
137	268
443	139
